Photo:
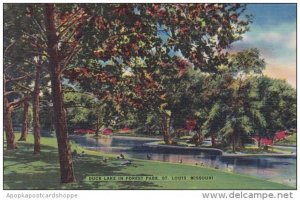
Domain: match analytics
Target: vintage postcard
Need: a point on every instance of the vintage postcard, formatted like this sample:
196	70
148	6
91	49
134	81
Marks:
149	96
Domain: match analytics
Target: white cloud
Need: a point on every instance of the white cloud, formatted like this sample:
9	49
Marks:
277	46
283	36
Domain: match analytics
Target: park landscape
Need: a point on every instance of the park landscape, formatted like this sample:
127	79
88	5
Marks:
153	93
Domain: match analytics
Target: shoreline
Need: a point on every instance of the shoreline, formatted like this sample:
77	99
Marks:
260	155
117	136
205	167
222	153
112	155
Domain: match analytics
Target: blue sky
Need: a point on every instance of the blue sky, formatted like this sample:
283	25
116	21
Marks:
273	31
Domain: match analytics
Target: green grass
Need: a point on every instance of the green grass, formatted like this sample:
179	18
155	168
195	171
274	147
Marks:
249	149
290	140
23	170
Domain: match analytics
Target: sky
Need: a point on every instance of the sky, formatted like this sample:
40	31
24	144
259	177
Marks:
273	32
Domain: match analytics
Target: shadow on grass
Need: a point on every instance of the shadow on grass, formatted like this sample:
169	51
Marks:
23	170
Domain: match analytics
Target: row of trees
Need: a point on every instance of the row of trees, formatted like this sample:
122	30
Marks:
227	106
135	61
233	105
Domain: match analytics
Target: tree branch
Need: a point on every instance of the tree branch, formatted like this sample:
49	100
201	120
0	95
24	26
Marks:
69	58
11	92
34	37
73	22
70	17
23	87
18	102
42	31
16	79
8	47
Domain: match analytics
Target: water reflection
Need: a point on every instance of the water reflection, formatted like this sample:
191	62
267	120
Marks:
282	170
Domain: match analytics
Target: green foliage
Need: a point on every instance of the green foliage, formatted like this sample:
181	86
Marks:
136	62
155	45
278	104
246	62
213	121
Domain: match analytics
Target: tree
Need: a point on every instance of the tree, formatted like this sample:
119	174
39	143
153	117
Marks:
59	58
25	120
86	111
193	37
13	99
23	27
16	82
156	44
277	104
188	106
36	109
234	102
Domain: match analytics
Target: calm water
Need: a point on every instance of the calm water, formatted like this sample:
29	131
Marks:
282	170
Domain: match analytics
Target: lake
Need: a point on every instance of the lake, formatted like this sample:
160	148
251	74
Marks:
276	169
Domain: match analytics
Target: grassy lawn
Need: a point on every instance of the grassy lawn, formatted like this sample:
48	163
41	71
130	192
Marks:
23	170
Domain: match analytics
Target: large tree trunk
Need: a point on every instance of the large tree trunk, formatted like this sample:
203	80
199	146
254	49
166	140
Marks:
238	141
259	140
213	140
166	121
64	149
199	140
25	121
36	111
196	139
233	143
9	132
97	126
